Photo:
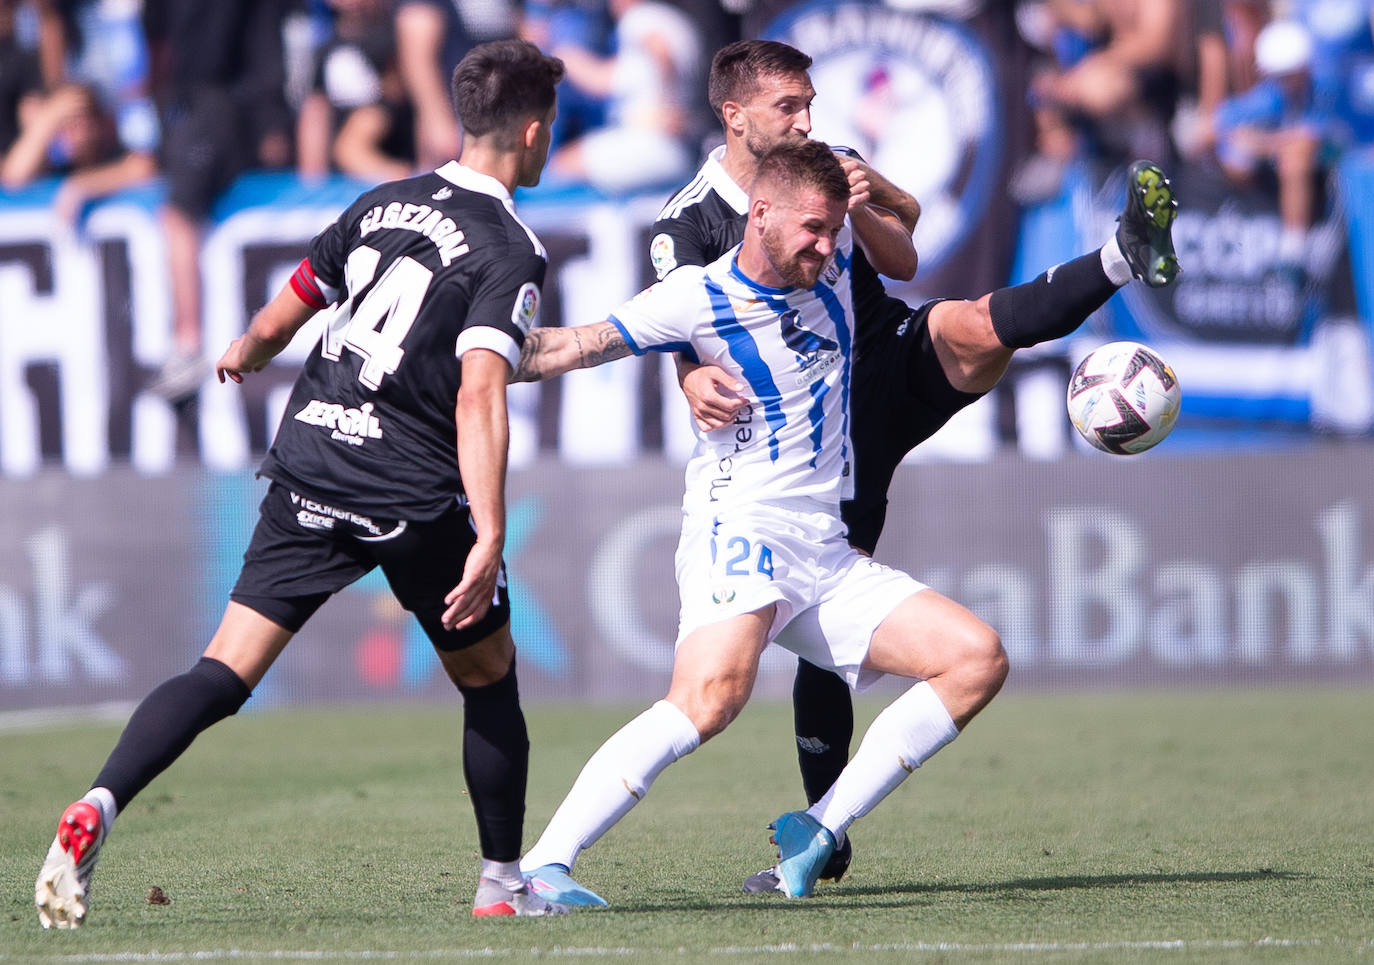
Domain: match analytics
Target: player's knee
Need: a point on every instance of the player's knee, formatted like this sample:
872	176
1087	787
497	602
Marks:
982	658
711	706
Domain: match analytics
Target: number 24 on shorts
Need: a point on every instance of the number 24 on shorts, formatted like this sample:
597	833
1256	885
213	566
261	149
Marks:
742	559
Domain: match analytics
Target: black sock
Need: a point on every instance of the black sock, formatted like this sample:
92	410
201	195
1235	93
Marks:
496	763
166	722
1051	306
823	715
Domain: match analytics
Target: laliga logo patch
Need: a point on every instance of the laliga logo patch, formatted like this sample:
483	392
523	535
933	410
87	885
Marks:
722	595
662	254
526	306
917	96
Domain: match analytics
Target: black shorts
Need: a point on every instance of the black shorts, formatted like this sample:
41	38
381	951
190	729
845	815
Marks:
901	397
304	551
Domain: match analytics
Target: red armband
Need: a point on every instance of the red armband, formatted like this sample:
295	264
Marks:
307	286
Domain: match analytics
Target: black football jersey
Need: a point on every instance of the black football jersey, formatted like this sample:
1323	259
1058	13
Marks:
419	271
706	218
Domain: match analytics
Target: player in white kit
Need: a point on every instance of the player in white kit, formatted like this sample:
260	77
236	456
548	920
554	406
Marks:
762	540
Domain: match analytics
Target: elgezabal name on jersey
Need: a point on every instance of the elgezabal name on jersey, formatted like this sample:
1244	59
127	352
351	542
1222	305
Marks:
353	426
423	218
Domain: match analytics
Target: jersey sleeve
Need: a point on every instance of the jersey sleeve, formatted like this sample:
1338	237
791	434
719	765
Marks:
503	307
662	317
675	242
327	255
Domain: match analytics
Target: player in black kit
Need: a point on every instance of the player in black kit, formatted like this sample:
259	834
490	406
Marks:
433	283
914	368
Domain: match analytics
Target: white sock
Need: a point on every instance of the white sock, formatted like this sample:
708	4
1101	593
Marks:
615	779
504	873
1114	264
902	738
102	798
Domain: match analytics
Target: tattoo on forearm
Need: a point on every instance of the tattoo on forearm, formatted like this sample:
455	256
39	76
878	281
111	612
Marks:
547	352
607	346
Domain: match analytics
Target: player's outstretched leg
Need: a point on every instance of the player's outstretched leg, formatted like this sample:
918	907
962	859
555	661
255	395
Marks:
804	847
553	883
62	892
1145	228
494	899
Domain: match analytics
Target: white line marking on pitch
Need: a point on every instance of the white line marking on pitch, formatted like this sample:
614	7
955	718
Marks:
1178	945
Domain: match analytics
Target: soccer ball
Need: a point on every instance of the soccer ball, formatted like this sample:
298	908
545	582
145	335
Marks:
1123	398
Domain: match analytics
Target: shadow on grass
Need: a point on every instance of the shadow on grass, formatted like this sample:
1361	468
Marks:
834	896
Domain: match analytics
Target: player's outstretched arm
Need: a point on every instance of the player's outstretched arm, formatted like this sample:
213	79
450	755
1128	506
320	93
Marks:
270	331
552	351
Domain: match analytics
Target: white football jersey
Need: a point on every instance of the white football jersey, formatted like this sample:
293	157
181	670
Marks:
792	348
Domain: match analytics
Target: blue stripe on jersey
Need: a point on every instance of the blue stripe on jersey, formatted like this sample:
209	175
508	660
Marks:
841	319
818	389
686	348
745	350
626	335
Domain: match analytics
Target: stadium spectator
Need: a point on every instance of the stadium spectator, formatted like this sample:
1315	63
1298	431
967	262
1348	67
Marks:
649	84
357	119
566	24
431	38
1285	127
1225	32
21	77
98	129
1109	90
70	135
365	471
218	78
762	543
913	369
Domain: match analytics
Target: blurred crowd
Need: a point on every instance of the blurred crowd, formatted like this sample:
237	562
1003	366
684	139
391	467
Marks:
101	95
1270	92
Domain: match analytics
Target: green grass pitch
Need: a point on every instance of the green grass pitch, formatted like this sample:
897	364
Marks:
1216	826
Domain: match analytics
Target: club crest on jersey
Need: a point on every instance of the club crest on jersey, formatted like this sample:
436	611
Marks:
816	354
662	254
831	275
526	307
353	426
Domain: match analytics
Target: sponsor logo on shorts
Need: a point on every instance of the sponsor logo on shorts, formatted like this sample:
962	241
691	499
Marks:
313	514
353	426
722	595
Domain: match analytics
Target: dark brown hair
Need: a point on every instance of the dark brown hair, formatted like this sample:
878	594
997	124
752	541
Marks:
737	68
500	84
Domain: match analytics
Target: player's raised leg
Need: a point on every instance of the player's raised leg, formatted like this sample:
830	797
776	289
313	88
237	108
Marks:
975	339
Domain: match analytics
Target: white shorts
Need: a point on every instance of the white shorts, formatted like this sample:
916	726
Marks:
801	562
